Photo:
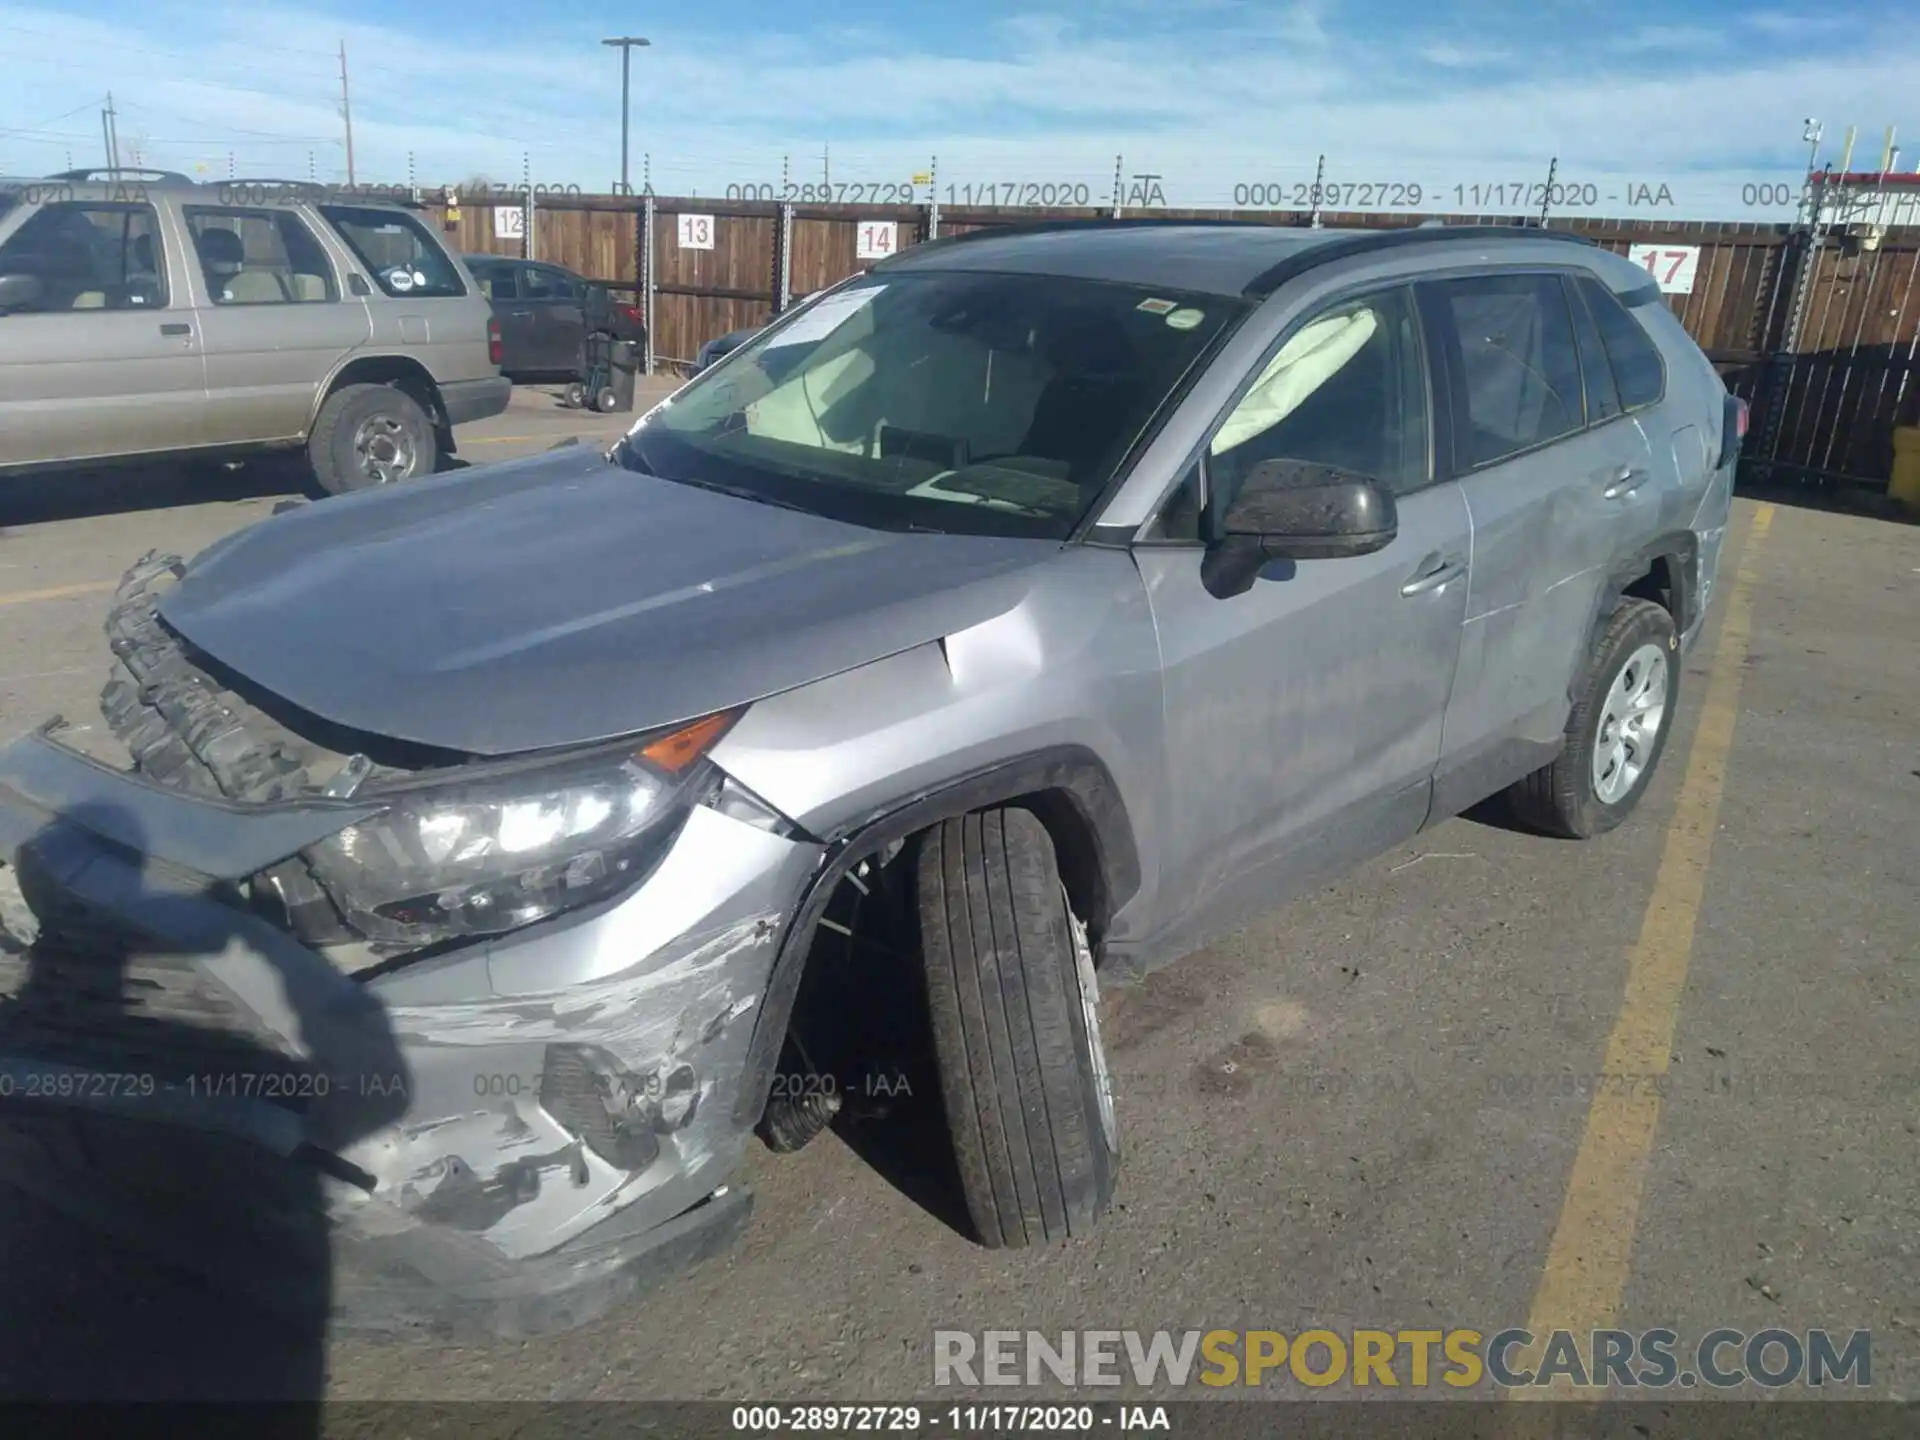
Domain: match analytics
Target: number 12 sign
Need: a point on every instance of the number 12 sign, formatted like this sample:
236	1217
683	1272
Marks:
1671	266
876	240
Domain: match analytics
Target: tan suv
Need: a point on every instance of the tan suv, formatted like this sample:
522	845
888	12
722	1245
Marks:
144	315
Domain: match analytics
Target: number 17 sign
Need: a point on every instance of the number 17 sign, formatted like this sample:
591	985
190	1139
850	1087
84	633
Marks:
1671	266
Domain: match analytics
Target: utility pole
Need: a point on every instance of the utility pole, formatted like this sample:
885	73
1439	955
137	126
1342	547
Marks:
346	109
826	167
110	134
624	44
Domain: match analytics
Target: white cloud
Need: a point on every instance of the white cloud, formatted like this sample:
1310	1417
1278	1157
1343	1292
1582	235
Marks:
1451	56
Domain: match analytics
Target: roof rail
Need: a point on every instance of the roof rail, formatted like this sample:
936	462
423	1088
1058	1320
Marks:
1265	283
1365	242
119	171
1043	227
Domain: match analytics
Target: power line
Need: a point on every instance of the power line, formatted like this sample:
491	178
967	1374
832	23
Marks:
36	127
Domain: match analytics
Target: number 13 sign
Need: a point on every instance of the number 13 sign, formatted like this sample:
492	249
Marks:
1671	266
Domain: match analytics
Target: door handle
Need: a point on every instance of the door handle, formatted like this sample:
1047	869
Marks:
1434	572
176	328
1623	481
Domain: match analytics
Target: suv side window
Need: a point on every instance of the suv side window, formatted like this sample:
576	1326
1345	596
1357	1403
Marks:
259	257
1637	367
1347	389
1519	367
90	256
404	259
1596	371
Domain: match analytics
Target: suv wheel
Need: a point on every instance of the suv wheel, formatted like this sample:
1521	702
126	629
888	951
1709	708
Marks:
1010	984
371	435
1621	716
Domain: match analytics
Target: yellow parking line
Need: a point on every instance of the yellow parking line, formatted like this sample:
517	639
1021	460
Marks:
1591	1255
58	592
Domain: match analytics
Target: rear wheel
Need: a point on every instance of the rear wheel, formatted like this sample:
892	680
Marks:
369	435
1011	988
1616	732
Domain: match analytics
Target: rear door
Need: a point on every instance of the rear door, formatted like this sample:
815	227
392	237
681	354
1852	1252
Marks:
1303	717
557	299
272	315
499	280
1551	499
106	360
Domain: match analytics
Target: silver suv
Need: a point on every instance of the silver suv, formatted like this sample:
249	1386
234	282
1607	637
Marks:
1011	618
143	315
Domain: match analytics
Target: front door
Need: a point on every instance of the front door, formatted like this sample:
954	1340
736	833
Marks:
1303	717
105	359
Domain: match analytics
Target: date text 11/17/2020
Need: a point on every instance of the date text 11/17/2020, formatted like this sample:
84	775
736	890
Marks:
1412	195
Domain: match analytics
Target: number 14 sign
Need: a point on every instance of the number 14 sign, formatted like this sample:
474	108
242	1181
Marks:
876	239
1671	266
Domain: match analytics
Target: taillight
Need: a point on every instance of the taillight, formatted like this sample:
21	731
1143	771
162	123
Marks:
496	352
1740	424
633	313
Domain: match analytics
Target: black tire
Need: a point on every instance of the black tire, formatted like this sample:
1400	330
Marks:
338	466
1018	1060
607	401
1561	798
576	396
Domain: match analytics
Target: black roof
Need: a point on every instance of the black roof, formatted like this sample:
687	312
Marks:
1226	257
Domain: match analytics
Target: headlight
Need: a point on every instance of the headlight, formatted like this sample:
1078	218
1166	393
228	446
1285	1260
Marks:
491	853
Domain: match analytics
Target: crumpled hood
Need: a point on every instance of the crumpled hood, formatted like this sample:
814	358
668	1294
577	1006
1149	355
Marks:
562	599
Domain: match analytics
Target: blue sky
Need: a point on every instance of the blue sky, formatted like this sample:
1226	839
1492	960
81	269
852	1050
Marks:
1706	97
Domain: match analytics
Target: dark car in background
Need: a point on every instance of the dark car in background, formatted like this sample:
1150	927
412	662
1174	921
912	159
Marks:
546	312
721	346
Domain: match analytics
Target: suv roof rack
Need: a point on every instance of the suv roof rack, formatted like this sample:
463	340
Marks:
117	171
1366	241
1340	245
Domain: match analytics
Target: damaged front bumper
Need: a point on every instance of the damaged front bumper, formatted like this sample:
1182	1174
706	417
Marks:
509	1136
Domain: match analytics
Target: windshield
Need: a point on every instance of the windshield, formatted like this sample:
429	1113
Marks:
954	401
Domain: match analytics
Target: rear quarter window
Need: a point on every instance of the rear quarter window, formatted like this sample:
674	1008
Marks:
399	252
1639	371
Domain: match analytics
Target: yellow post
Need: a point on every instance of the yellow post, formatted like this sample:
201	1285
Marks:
1904	485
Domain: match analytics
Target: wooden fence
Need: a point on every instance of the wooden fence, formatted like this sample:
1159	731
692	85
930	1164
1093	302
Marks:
1818	333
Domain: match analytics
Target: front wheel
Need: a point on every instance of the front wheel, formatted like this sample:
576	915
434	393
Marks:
369	435
1011	988
1617	731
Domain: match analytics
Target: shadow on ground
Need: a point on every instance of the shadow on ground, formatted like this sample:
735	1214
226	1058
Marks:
141	1259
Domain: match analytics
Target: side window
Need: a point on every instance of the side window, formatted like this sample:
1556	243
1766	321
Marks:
1596	371
1518	363
1637	367
539	284
259	257
88	257
404	259
1348	389
497	282
1180	516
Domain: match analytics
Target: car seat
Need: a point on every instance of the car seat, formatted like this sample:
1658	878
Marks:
1095	379
223	256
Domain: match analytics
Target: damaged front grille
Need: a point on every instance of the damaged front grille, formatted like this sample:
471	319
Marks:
180	728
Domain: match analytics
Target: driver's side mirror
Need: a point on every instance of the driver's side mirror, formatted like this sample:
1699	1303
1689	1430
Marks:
19	291
1297	510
